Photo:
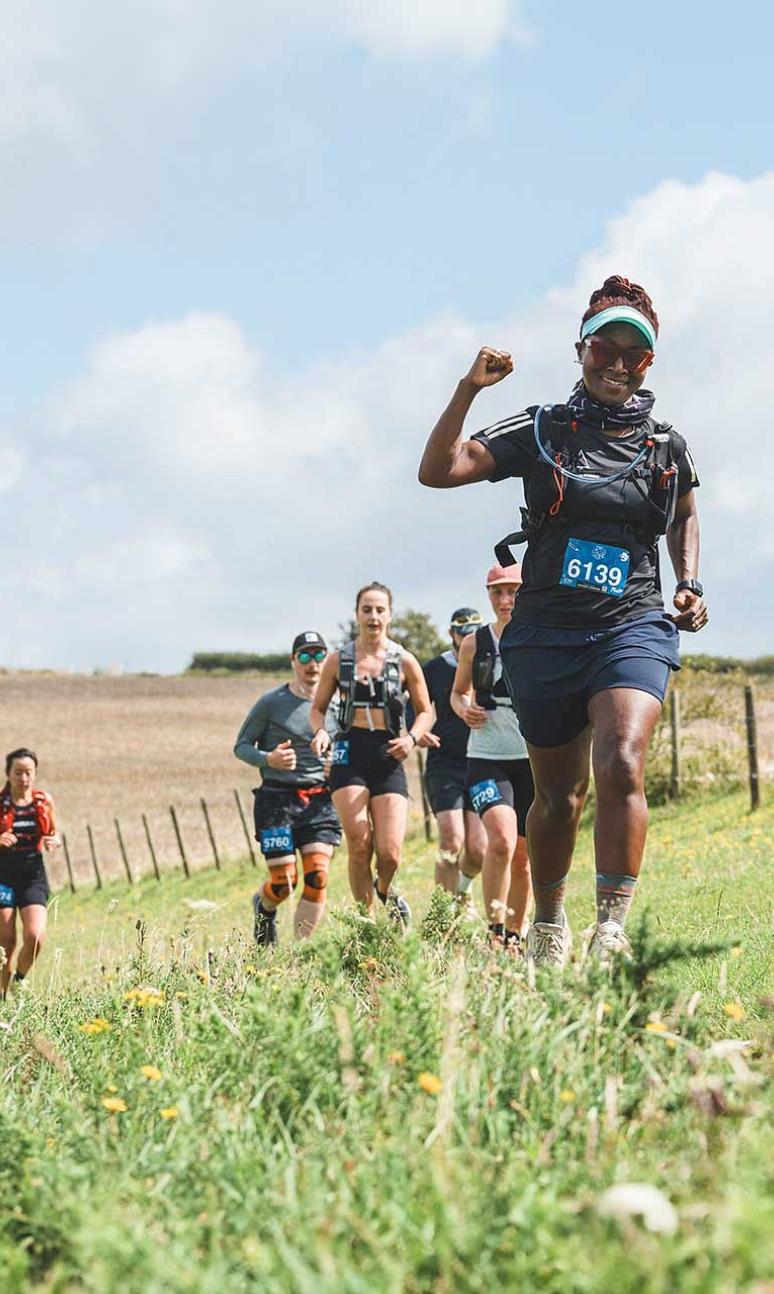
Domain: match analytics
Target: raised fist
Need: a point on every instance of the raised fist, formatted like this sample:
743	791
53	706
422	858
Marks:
489	366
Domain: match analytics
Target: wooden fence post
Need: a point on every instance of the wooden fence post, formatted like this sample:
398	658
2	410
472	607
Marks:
210	833
69	864
428	816
93	853
151	850
752	747
180	844
243	820
122	847
674	723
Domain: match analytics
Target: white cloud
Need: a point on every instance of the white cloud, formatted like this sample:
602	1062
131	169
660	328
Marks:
432	28
11	465
192	499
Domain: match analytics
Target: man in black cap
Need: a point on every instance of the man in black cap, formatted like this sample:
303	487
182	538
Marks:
293	807
461	837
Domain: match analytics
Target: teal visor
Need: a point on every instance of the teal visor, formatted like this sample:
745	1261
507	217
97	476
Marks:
620	314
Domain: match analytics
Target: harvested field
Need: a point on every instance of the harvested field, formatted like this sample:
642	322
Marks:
118	747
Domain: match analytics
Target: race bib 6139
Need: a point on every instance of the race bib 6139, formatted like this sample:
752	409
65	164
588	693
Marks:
588	565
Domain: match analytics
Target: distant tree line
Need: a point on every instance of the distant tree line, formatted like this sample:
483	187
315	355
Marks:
414	630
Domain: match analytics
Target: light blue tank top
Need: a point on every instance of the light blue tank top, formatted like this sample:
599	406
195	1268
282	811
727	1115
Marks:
500	737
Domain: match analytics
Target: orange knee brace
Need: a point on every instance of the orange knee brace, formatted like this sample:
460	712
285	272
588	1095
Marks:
283	877
315	877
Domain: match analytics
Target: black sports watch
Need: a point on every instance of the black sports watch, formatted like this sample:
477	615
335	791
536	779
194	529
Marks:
693	586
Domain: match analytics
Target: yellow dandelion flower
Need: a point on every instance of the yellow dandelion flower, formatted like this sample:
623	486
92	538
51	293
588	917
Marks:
169	1112
97	1025
396	1057
430	1083
115	1104
567	1095
735	1010
151	1072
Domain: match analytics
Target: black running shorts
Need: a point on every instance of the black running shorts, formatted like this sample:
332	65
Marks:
502	781
23	884
285	820
360	759
446	784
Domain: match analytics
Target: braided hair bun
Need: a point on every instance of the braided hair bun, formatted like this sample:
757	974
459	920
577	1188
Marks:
618	291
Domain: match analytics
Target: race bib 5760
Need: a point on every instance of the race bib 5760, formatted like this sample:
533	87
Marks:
588	565
277	840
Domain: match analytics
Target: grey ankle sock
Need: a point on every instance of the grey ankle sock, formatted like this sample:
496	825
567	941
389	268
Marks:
549	900
614	896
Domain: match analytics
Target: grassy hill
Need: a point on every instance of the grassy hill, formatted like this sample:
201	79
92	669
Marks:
182	1113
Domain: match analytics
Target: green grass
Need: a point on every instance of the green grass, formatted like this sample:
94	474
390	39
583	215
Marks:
307	1153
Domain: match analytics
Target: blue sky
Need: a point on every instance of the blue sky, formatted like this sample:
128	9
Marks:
268	244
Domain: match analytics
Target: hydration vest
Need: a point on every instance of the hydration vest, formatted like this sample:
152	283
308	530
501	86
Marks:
39	807
391	701
490	691
653	472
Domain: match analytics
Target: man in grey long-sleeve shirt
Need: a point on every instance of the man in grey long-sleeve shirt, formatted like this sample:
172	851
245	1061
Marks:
293	808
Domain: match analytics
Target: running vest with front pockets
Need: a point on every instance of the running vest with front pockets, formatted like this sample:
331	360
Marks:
621	516
500	737
383	692
28	822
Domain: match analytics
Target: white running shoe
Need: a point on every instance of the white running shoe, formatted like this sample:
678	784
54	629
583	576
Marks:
548	944
608	942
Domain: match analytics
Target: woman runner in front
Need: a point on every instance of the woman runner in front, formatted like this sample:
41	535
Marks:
367	779
589	648
26	822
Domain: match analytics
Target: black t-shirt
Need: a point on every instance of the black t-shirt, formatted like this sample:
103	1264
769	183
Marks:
439	676
599	532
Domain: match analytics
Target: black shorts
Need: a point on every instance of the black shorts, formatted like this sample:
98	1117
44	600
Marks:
446	784
360	759
23	883
502	781
286	820
552	674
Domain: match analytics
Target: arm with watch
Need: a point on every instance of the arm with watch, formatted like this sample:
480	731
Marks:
683	546
401	747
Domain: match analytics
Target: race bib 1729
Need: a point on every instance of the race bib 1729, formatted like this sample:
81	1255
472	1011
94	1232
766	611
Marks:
277	840
485	793
588	565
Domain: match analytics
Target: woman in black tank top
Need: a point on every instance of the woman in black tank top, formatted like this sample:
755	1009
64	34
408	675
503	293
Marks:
367	779
26	822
